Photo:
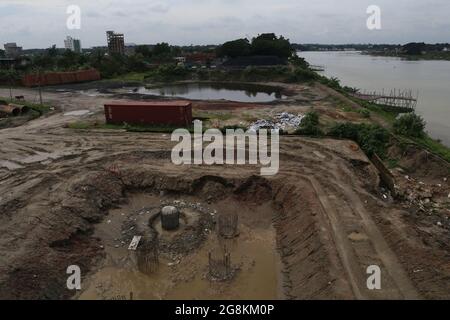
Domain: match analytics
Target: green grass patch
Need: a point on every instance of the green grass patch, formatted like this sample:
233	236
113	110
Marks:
433	146
132	77
392	163
370	137
386	113
84	125
151	128
34	106
223	116
310	125
248	117
80	125
36	110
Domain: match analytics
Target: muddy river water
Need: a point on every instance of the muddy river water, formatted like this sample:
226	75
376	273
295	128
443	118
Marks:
431	79
253	254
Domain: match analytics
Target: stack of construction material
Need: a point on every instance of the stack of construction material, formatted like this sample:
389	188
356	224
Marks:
11	109
56	78
170	113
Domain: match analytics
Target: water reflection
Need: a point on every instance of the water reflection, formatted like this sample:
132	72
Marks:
218	91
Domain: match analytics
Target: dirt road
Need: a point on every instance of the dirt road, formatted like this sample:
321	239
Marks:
56	186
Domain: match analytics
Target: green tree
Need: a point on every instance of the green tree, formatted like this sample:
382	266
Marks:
9	77
43	61
96	57
161	49
235	48
144	51
414	48
370	137
69	60
269	44
310	125
52	51
410	124
136	63
299	62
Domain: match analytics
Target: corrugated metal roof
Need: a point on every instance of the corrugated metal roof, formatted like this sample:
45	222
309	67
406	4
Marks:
150	103
152	112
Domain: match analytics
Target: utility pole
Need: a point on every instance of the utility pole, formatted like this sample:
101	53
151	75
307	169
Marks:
40	89
10	83
10	90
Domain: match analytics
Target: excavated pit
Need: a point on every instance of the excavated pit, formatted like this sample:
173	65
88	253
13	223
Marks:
276	253
182	271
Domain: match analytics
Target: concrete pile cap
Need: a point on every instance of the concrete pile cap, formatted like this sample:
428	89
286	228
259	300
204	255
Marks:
169	210
170	218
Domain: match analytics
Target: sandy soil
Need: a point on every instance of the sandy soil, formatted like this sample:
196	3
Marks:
58	188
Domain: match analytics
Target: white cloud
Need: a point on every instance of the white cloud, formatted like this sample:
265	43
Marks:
42	23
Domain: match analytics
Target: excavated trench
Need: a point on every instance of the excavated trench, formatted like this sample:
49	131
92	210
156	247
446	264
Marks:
277	252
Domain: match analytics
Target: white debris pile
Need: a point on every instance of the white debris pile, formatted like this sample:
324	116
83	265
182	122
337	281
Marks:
287	120
281	121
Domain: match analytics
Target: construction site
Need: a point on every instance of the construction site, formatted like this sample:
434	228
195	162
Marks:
76	191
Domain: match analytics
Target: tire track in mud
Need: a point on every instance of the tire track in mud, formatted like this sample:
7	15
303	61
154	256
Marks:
313	266
348	218
384	252
392	266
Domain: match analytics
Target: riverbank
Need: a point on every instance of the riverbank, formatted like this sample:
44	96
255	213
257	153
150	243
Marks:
438	55
428	79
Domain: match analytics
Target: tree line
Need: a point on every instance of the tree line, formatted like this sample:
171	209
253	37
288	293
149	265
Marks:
144	57
267	44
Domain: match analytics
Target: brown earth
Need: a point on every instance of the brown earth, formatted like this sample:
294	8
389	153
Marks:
58	188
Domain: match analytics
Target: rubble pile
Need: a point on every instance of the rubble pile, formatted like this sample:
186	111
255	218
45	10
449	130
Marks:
430	199
281	121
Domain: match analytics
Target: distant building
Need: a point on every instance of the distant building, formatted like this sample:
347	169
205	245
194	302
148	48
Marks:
19	62
200	58
12	50
116	42
7	63
73	44
180	60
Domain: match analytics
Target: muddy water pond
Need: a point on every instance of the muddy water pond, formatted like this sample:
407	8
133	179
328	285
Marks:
217	91
185	276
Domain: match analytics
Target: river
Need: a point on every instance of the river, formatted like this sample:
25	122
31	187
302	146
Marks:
431	79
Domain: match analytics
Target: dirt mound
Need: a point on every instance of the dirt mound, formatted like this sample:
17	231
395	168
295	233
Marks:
420	162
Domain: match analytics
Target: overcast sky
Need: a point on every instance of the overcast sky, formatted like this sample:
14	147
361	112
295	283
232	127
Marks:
42	23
